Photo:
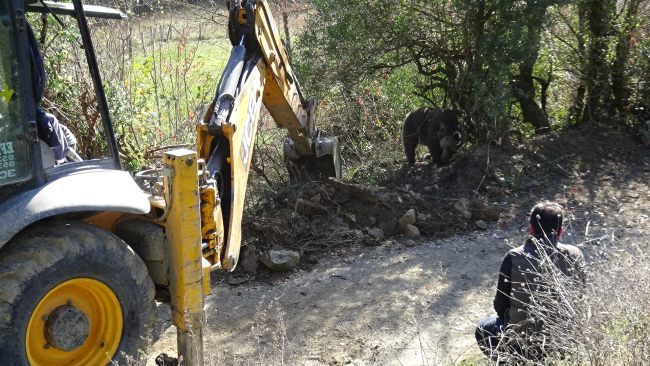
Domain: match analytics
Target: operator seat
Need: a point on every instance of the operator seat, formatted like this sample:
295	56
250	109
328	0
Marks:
57	136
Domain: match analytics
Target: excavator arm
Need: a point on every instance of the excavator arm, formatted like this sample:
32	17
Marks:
258	72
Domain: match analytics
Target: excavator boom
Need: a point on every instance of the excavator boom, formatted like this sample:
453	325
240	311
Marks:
258	72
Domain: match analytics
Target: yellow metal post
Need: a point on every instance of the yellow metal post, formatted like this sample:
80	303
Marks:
183	228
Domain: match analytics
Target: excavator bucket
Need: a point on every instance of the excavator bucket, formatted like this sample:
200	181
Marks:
325	161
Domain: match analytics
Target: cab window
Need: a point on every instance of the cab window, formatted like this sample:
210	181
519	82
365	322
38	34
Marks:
14	158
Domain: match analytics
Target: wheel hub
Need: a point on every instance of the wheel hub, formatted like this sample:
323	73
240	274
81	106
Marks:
66	328
77	323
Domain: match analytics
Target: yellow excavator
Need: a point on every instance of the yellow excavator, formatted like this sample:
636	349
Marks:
85	248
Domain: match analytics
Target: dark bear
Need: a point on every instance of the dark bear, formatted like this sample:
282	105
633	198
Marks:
435	128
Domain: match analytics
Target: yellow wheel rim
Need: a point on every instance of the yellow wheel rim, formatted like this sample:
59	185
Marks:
101	307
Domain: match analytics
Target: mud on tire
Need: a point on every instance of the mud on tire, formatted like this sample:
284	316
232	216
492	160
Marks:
48	254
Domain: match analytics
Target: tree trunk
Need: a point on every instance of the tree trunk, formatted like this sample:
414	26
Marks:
575	112
623	48
287	35
464	91
44	20
530	110
525	92
598	75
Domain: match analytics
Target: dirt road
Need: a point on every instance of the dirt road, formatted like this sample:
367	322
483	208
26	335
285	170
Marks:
391	304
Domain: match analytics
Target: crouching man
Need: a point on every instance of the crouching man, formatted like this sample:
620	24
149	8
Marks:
527	289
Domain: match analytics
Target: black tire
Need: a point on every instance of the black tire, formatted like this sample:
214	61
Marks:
48	254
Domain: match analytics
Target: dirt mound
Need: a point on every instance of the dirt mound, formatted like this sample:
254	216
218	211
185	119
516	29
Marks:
334	216
496	172
321	215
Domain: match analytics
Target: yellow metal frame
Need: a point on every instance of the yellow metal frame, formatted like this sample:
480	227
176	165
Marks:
183	228
240	132
271	83
186	264
104	313
282	96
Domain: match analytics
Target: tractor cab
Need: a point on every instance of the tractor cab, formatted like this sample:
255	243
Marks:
40	173
28	135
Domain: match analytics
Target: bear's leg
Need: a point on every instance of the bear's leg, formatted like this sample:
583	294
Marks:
410	142
434	148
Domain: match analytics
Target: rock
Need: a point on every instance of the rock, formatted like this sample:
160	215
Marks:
409	243
418	178
428	189
388	227
280	260
330	192
311	259
350	217
482	210
309	208
236	281
372	219
316	198
481	224
376	234
383	197
341	360
341	199
357	191
422	217
412	231
248	259
408	187
429	216
464	206
442	234
407	219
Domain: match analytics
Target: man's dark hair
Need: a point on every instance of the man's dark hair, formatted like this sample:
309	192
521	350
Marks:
546	218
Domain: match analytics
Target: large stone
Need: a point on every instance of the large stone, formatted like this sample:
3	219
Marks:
412	231
442	234
376	234
464	206
309	208
248	259
422	217
407	219
341	199
383	197
482	210
355	191
480	224
388	227
280	260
